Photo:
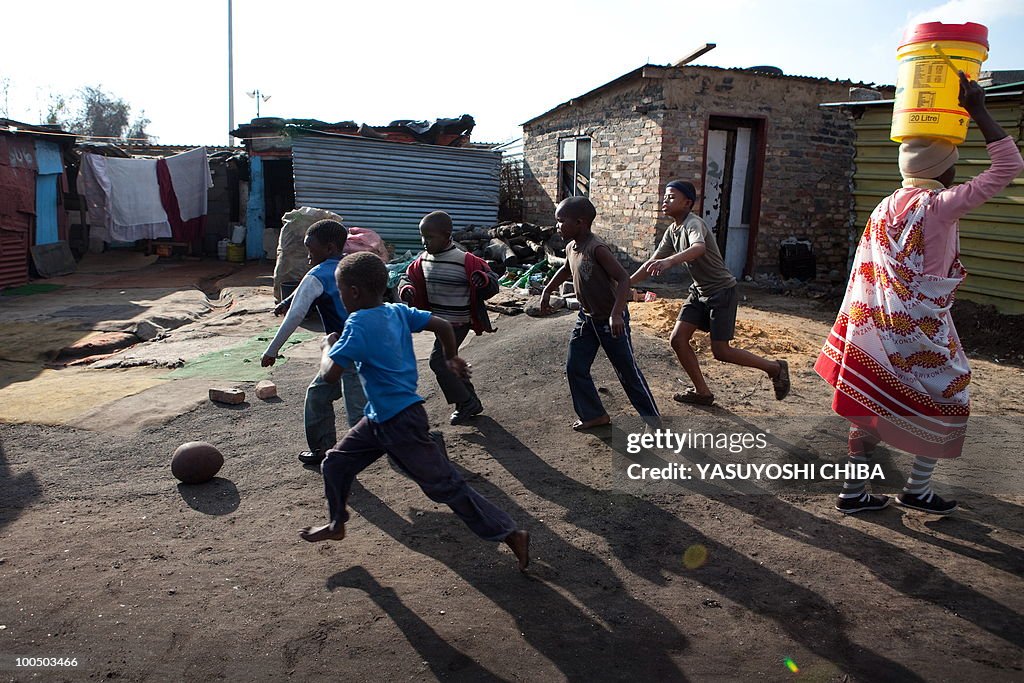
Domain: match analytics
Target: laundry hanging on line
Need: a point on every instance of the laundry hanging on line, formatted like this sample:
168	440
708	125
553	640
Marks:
133	199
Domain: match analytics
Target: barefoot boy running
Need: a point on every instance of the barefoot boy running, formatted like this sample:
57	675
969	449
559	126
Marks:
711	305
378	340
602	286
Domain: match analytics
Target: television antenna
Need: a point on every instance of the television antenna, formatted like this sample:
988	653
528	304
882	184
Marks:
257	95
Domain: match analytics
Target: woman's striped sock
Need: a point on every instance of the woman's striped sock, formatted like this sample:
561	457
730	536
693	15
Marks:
920	481
855	489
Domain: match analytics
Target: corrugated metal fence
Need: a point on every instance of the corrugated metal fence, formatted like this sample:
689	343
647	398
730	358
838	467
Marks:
388	186
992	236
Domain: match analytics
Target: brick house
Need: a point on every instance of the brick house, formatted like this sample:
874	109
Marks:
768	162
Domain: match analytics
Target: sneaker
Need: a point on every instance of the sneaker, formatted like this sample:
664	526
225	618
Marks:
867	501
930	502
464	411
781	381
311	457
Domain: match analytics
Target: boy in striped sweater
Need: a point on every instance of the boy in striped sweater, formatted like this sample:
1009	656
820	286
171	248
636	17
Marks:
453	285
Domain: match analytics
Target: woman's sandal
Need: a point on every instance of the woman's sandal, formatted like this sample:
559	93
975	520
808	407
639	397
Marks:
691	396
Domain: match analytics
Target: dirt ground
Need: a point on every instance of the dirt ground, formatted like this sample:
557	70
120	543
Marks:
105	559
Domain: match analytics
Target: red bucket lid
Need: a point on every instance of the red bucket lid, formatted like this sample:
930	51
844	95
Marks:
936	31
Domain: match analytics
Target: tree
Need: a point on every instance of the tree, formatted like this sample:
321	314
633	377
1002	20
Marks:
98	114
137	131
56	109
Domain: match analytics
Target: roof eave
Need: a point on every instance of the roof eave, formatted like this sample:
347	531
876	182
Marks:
645	71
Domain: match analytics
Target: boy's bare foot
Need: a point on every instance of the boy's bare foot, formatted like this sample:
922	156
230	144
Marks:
692	397
780	380
327	532
580	425
519	542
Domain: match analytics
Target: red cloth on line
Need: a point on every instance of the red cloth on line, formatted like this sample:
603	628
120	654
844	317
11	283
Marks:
181	231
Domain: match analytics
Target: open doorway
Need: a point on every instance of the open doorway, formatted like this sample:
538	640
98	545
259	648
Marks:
733	165
279	190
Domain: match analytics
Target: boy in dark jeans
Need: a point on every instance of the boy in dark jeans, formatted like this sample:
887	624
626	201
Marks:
602	287
452	284
324	241
378	340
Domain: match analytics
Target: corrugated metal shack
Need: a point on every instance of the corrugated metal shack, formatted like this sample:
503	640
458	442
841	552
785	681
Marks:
384	178
992	237
32	192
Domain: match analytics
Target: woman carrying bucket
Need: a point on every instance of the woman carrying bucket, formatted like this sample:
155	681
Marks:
893	355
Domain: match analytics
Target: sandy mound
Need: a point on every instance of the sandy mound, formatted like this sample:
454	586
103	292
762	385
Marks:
761	338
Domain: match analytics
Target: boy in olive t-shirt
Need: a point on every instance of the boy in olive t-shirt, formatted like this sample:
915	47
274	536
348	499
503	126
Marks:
711	305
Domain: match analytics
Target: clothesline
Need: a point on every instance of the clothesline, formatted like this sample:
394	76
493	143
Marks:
15	129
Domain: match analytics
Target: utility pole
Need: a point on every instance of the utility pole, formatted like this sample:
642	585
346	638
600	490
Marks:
231	81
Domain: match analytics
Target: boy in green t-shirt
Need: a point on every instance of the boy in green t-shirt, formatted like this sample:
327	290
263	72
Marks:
712	303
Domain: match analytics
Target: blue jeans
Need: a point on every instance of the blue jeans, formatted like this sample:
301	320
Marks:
319	408
587	336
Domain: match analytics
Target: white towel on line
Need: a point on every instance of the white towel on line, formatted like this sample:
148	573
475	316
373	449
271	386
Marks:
191	179
134	203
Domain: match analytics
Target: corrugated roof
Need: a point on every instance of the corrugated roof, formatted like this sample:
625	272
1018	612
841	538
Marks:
13	127
997	91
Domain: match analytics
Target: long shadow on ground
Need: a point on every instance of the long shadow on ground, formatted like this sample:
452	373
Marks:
650	542
609	635
892	565
444	660
16	492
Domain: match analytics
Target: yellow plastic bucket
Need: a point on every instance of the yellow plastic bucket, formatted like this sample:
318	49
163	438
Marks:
927	89
236	253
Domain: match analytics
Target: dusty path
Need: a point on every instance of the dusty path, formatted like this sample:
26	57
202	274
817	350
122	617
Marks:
103	558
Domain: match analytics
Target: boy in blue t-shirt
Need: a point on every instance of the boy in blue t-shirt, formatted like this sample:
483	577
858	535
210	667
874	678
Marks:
378	340
324	241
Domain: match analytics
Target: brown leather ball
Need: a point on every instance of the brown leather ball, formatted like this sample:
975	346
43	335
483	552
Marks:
196	462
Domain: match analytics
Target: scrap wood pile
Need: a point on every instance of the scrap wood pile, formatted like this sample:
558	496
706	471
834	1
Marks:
513	245
523	254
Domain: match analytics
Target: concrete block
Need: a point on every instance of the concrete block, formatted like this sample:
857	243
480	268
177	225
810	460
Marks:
229	396
266	389
566	289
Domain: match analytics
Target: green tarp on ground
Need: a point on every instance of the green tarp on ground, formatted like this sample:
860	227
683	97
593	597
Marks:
34	288
237	363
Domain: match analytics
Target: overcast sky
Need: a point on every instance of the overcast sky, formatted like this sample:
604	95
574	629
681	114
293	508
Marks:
504	63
